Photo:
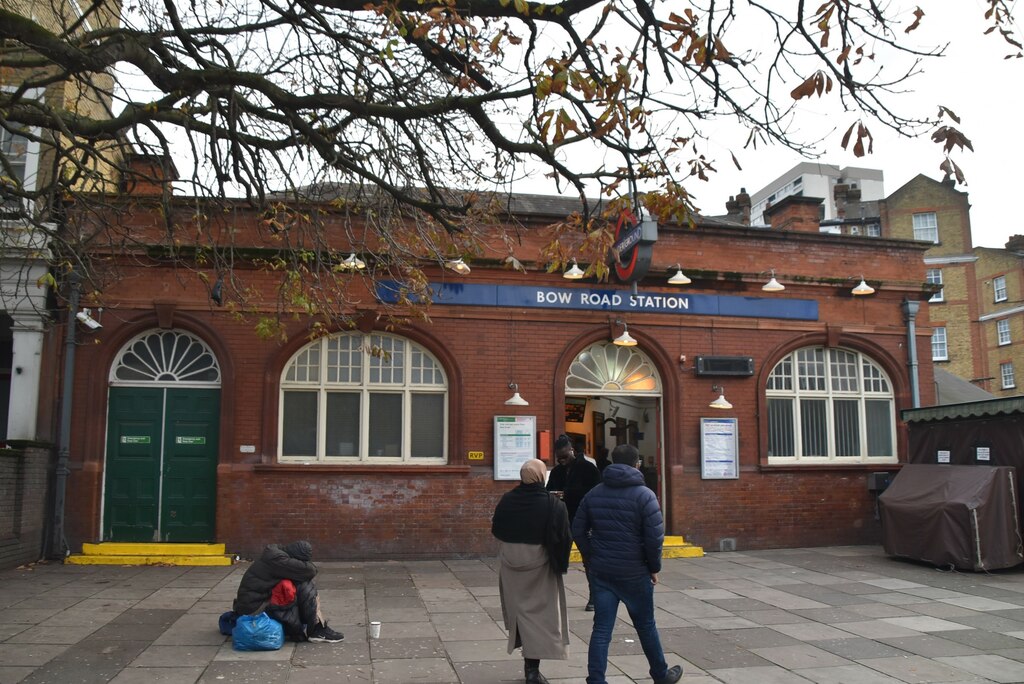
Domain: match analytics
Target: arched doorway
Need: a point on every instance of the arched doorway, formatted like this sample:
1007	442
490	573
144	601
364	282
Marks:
163	428
613	396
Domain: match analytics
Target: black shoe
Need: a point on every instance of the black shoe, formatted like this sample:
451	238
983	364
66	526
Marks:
533	676
590	606
673	675
321	633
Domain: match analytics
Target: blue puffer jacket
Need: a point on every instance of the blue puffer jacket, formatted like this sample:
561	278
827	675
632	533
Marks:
618	527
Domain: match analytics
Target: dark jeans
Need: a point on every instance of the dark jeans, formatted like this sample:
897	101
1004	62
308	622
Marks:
638	596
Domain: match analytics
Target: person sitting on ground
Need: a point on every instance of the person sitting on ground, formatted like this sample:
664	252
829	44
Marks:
265	588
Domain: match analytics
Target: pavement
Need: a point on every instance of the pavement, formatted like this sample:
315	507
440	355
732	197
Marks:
834	615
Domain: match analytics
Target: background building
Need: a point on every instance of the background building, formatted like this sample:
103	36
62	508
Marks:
811	179
29	219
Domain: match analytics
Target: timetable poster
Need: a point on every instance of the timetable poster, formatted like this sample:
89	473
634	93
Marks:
515	443
719	449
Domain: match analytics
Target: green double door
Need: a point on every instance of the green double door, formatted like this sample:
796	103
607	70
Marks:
161	467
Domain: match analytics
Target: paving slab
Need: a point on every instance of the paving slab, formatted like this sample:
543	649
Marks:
833	615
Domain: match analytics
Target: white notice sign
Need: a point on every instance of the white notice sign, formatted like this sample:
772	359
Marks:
719	449
515	443
983	453
943	456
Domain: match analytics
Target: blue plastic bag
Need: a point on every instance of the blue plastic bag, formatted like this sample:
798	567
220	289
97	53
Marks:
257	633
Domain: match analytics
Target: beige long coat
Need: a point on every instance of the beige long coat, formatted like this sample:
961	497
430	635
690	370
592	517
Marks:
533	602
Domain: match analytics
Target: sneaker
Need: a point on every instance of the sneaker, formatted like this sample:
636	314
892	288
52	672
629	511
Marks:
321	633
674	674
590	606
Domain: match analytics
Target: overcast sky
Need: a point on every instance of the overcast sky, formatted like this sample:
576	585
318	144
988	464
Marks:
973	80
986	92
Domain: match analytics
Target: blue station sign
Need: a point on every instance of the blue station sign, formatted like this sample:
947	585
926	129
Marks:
594	299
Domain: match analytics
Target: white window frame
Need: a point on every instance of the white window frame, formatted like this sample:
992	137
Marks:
940	344
31	172
934	276
839	375
873	230
1003	331
1007	376
999	289
368	352
926	227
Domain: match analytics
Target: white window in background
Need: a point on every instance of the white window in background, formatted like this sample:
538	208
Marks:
873	230
1003	331
830	406
940	352
999	289
363	398
1006	374
23	156
934	276
926	227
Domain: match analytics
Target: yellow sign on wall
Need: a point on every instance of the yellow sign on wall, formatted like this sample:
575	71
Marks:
476	456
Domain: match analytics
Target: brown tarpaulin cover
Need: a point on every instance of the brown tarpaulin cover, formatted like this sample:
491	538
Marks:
953	515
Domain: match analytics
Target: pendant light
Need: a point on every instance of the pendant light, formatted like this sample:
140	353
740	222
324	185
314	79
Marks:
679	278
721	402
574	272
773	285
515	399
863	288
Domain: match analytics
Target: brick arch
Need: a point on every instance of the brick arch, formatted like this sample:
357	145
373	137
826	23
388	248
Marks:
94	434
276	363
829	339
671	398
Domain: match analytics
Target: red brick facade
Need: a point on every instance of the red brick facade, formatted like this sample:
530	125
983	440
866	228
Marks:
368	511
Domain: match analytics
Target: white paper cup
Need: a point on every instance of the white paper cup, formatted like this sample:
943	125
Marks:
375	630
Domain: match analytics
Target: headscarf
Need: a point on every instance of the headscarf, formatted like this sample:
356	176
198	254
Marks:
522	515
533	472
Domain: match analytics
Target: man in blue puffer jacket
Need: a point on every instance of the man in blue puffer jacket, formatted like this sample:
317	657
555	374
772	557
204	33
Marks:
619	531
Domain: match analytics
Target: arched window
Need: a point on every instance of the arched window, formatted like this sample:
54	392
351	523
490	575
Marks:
830	406
165	357
363	398
606	368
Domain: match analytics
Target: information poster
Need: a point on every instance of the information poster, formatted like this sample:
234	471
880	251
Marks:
515	443
719	449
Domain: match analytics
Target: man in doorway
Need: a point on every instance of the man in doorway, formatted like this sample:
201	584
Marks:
571	479
620	532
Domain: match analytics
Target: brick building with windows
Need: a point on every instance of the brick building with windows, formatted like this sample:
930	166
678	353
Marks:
977	315
977	319
380	442
27	410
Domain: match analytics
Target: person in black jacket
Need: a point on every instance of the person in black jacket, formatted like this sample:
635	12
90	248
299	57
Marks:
571	479
533	529
301	617
619	531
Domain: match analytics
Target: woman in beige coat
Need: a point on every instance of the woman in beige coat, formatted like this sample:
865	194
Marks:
533	528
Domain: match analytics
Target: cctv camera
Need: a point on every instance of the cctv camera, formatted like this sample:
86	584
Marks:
85	317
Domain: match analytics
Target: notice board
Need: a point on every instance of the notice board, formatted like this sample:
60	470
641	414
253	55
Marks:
719	449
515	443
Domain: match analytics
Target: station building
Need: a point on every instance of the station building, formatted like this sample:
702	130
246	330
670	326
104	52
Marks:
377	441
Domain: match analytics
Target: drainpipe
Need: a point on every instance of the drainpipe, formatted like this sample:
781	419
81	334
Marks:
910	310
58	545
